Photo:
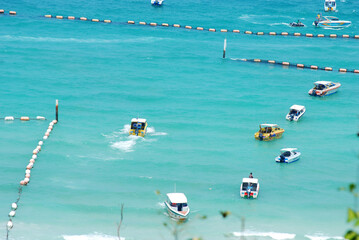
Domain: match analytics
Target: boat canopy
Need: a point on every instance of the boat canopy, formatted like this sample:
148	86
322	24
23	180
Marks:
331	18
249	180
140	120
322	82
288	150
297	107
177	197
269	125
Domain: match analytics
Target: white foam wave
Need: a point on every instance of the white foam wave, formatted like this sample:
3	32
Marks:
161	204
126	145
94	236
322	237
274	235
152	131
146	177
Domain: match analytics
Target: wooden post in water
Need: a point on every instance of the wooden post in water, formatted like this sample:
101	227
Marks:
57	110
224	48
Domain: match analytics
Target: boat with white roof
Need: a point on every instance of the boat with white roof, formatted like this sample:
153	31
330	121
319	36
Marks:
138	127
324	88
288	155
249	188
157	2
177	206
330	5
295	112
331	22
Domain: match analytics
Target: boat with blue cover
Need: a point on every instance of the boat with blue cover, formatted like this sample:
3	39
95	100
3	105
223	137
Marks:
288	155
157	2
177	206
331	22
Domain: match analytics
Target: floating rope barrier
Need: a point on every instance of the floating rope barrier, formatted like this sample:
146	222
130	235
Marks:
2	11
297	65
29	167
11	118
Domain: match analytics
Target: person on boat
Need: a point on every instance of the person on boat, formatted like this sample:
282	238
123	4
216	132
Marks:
298	22
250	175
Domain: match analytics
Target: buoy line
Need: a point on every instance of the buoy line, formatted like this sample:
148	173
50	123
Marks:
297	65
26	180
24	118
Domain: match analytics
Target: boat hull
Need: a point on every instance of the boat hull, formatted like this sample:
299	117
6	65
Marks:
333	24
295	118
175	214
268	136
322	93
288	160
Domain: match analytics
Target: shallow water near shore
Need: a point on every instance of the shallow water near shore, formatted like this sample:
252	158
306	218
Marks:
202	112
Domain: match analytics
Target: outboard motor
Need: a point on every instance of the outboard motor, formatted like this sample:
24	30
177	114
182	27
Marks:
249	190
291	116
260	136
313	93
137	127
316	23
281	158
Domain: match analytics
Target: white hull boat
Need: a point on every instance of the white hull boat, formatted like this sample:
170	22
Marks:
324	88
288	155
330	6
249	188
177	206
157	2
295	113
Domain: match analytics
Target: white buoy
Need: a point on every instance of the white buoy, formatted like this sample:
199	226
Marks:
40	118
45	137
51	123
34	156
38	148
14	206
12	214
40	143
29	166
35	151
27	171
48	130
9	118
50	127
26	180
9	225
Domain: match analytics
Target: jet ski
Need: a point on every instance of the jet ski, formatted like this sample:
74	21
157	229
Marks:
296	24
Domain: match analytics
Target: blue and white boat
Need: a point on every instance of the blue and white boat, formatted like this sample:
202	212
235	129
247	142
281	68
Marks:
249	188
157	2
288	155
177	206
331	22
330	5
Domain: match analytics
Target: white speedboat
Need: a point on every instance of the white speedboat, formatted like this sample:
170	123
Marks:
295	112
330	5
157	2
249	188
288	155
177	206
324	88
331	22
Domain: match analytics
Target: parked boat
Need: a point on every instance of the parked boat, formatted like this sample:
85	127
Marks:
324	88
157	2
177	206
249	188
288	155
331	22
295	112
268	132
138	127
330	5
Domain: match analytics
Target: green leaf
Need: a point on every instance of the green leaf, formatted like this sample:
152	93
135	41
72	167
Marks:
356	223
351	215
352	187
225	213
351	235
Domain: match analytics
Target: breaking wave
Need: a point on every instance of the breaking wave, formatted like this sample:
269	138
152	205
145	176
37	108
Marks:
273	235
94	236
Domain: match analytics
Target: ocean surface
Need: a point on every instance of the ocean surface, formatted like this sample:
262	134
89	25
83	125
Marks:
202	112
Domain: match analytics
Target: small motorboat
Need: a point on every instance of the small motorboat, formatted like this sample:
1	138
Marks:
297	24
324	88
268	132
249	188
177	206
157	2
288	155
331	22
330	5
138	127
295	112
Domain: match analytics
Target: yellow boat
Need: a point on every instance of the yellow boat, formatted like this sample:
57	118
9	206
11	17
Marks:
138	127
268	132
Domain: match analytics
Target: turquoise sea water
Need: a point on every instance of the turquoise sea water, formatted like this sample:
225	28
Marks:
202	111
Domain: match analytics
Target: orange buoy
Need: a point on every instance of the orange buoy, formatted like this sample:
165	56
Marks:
224	30
48	16
188	27
356	36
35	151
54	121
271	61
328	69
199	28
27	175
165	24
24	118
257	60
176	25
297	34
59	17
71	17
309	35
47	134
2	11
22	182
313	67
284	33
272	33
131	22
95	20
107	21
32	161
212	29
342	70
29	166
38	148
285	63
236	31
320	35
333	35
248	32
260	33
83	19
50	127
153	24
300	65
345	36
12	13
142	23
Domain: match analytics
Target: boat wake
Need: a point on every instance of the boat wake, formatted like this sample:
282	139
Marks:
273	235
323	237
94	236
127	142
